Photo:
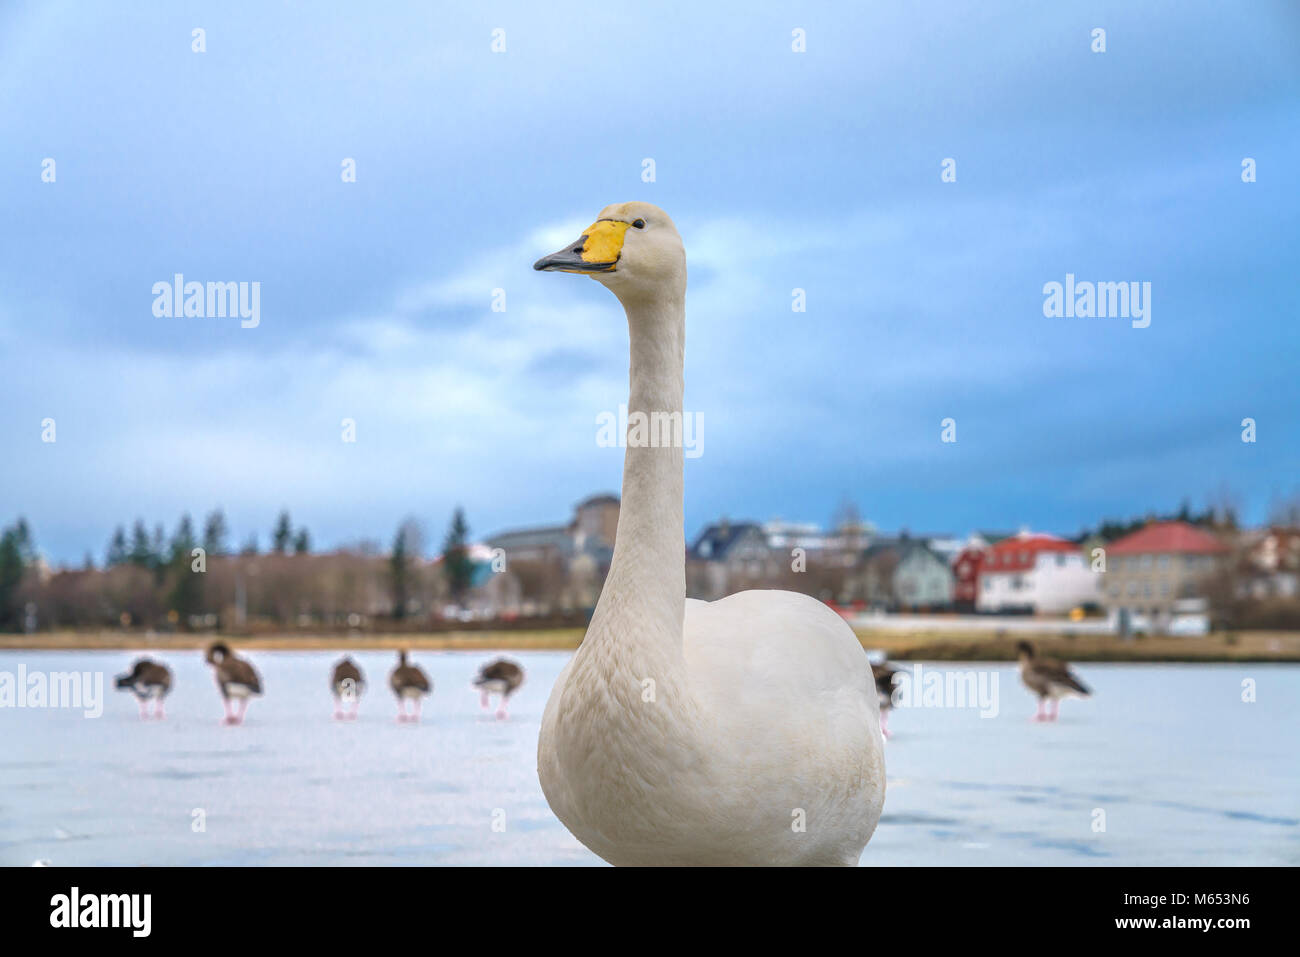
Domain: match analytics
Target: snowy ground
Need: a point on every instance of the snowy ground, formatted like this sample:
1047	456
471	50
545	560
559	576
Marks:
1168	758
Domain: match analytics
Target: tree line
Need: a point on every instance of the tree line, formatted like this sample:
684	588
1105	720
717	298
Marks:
191	579
156	550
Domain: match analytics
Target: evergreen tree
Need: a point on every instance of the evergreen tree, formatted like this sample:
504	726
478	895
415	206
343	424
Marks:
283	534
302	542
118	553
399	568
185	596
456	564
16	552
215	532
23	540
141	553
159	553
182	541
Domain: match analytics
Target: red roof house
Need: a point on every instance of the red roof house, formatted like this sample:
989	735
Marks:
1019	553
1158	537
1034	571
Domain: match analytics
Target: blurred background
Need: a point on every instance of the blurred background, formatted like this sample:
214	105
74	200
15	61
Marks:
414	401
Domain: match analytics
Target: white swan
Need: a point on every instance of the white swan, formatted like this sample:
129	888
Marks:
741	731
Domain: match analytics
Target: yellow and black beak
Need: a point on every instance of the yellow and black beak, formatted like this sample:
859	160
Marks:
597	251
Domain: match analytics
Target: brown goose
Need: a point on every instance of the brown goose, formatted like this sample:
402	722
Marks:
347	683
1050	679
500	677
884	677
235	679
148	681
409	683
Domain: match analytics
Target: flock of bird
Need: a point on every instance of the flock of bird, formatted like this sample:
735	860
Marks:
1048	679
237	680
150	681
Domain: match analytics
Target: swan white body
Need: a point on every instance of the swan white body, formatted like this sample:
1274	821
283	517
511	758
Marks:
741	731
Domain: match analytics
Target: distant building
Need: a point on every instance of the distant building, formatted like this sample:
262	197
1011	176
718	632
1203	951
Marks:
786	536
966	566
947	547
903	572
1034	572
556	567
1157	574
729	557
594	522
1270	566
922	578
875	579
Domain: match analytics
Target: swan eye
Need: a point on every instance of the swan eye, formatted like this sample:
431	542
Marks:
638	224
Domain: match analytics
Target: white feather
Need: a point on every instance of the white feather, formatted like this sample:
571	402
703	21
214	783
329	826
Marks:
741	731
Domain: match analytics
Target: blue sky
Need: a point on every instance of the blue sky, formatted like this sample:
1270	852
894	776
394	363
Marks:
818	170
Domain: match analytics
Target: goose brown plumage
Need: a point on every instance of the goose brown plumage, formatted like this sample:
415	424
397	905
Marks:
236	679
1049	679
883	675
409	683
347	683
500	677
148	680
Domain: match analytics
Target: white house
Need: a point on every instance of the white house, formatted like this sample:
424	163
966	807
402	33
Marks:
1035	572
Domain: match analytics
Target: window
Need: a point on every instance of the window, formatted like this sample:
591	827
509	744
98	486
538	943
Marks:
1164	563
1132	589
1060	559
1164	589
1146	561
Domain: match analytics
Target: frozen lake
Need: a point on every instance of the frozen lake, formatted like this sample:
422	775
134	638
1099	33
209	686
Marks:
1168	758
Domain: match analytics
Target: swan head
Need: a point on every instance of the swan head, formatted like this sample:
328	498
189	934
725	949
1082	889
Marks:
633	249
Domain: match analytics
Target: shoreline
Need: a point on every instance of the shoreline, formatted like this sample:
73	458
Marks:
1245	646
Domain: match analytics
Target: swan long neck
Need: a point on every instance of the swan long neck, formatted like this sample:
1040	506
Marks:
645	592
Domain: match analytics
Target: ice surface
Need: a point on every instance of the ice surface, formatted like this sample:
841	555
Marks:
1184	771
